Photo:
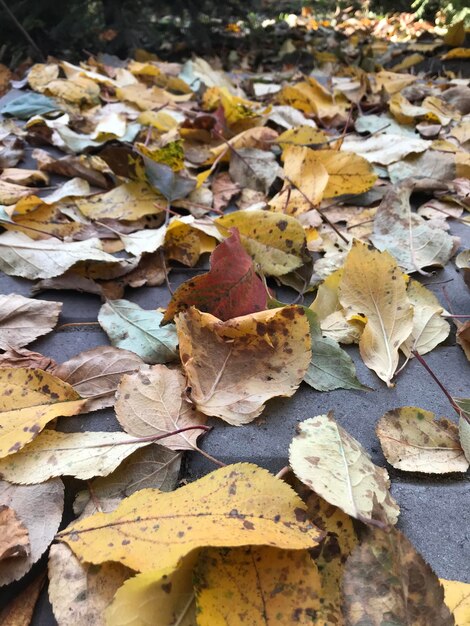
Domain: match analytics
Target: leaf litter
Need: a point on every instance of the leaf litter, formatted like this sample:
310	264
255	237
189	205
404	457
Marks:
308	180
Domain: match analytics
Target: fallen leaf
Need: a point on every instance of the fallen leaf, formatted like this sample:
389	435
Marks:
11	193
21	357
457	598
14	537
131	328
384	148
254	169
95	374
80	590
22	256
413	440
152	402
309	96
331	367
234	367
276	242
20	176
224	189
37	397
159	598
334	465
348	173
230	289
130	201
407	235
387	581
39	507
19	612
22	320
275	586
236	505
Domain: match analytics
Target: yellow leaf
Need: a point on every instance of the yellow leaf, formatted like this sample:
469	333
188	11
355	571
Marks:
302	136
373	286
348	172
276	242
40	75
457	598
130	201
158	119
260	137
310	97
183	243
327	299
456	53
234	367
407	62
80	90
432	109
455	35
237	505
391	82
462	165
256	585
158	598
148	98
461	132
29	399
11	193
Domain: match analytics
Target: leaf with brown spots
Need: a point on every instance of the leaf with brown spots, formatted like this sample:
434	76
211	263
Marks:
256	585
152	402
234	367
387	582
231	288
334	465
413	440
30	399
22	320
39	507
237	505
276	242
14	537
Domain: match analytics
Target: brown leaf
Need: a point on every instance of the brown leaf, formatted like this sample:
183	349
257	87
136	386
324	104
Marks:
22	320
14	536
19	611
387	582
224	189
22	357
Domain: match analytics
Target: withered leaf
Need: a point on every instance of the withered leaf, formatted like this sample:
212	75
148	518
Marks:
14	536
22	320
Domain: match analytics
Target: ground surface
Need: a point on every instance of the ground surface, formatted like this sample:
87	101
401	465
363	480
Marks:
433	510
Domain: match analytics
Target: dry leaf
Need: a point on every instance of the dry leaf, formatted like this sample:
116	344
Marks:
387	582
39	507
14	536
373	287
334	465
237	505
413	440
234	367
95	374
457	598
152	402
30	399
19	611
22	320
130	201
253	585
21	357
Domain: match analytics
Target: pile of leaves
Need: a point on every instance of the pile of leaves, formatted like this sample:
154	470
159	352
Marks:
314	182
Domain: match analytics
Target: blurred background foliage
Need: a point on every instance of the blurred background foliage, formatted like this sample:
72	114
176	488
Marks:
70	28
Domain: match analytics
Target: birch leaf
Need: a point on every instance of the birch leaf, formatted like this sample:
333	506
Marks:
46	258
273	586
14	536
276	242
372	286
334	465
37	398
457	598
81	591
39	507
152	402
130	201
347	173
22	320
234	367
82	455
387	582
237	505
135	329
413	440
412	241
95	374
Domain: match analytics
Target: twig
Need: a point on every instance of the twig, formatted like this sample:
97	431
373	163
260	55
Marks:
77	324
162	252
437	381
21	28
210	457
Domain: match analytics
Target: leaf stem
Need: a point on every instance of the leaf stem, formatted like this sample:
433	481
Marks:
151	438
437	381
210	457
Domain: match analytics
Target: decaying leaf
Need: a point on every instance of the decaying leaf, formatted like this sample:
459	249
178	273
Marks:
95	374
334	465
373	287
234	367
131	328
253	585
80	590
39	507
230	289
21	357
412	439
30	399
152	402
22	320
237	505
387	582
14	536
276	242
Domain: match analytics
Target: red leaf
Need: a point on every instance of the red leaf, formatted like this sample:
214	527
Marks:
231	288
